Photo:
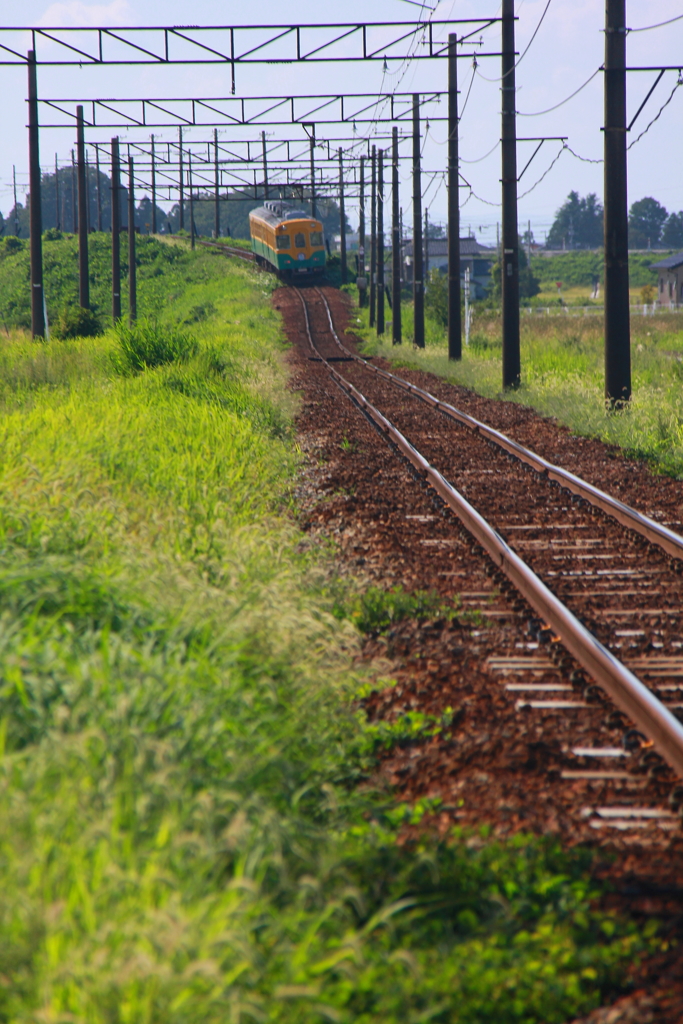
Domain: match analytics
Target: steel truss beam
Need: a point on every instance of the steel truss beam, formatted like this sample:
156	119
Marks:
236	44
221	111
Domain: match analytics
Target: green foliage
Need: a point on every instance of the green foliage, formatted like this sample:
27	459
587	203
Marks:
436	297
182	836
146	344
584	269
76	322
672	232
377	610
578	223
528	283
646	219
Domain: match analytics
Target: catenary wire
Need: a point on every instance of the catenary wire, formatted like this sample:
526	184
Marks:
537	113
526	50
658	114
660	24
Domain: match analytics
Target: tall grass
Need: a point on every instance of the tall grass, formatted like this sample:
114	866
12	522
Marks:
563	376
188	826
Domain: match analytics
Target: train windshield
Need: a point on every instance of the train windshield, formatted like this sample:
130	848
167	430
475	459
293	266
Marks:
316	237
283	241
300	240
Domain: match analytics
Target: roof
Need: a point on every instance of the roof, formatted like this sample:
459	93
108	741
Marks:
276	212
469	246
669	263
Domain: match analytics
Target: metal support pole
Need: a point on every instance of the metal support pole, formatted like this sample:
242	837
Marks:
362	292
14	183
454	323
132	270
154	186
418	278
181	187
380	242
217	182
87	192
395	243
83	273
617	313
426	248
342	217
99	188
509	270
373	237
265	167
57	220
314	205
189	174
115	232
35	208
74	200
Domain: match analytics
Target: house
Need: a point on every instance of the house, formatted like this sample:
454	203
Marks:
670	286
479	258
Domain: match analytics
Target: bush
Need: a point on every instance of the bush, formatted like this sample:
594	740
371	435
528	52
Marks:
76	322
147	344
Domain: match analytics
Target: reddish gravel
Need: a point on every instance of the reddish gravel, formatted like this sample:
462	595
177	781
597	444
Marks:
494	764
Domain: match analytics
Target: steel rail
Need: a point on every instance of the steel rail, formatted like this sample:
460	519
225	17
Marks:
231	250
627	691
654	532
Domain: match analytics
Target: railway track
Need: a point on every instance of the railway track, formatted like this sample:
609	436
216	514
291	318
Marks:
229	250
598	584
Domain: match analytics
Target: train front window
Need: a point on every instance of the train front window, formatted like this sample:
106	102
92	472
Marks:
284	241
300	240
316	237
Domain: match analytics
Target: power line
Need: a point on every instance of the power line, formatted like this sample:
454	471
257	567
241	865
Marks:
549	169
538	113
528	46
479	159
585	159
660	24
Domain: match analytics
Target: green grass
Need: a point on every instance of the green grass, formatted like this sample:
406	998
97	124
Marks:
563	375
188	826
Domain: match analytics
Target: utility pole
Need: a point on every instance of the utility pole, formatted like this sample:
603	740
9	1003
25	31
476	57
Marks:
87	192
74	200
99	188
115	232
380	242
217	188
617	313
373	236
132	270
314	205
426	244
14	182
395	243
418	281
57	220
83	273
181	188
35	209
265	166
154	186
509	270
342	217
362	292
454	322
189	175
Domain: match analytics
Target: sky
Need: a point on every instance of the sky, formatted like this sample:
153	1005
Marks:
567	49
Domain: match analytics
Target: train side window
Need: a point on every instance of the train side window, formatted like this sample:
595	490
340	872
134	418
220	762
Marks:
284	241
316	237
300	240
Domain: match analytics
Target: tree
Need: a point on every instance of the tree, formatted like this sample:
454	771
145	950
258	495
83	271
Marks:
578	223
528	282
672	235
645	222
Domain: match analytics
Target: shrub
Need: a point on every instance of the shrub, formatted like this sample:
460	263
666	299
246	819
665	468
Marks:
147	344
76	322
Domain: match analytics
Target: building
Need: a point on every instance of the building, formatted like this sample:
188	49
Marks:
479	258
670	285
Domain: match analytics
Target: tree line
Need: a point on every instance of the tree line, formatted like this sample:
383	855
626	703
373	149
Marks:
578	224
59	203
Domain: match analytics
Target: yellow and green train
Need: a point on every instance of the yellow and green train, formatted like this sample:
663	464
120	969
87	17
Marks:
289	240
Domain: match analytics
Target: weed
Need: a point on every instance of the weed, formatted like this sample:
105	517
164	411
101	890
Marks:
376	610
147	344
76	322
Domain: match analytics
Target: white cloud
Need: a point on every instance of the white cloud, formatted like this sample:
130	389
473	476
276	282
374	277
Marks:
76	13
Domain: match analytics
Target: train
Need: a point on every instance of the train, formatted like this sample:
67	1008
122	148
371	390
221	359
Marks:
286	239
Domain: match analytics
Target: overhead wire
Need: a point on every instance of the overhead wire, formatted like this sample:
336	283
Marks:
526	50
661	110
660	24
538	113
